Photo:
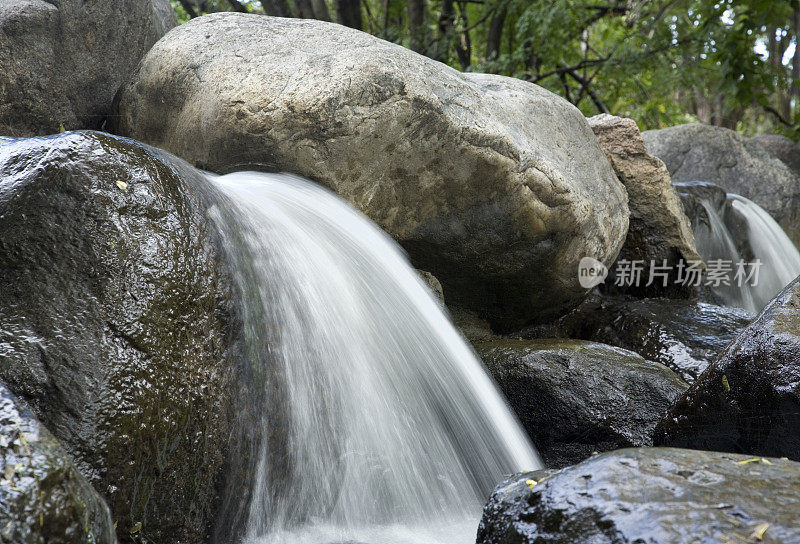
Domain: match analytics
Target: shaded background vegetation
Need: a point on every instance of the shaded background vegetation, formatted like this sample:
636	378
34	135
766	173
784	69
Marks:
732	63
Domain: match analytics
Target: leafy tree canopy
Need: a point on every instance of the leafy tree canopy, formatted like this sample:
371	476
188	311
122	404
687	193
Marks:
731	63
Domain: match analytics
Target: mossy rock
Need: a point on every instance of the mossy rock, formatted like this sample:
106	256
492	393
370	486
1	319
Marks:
44	499
119	326
575	397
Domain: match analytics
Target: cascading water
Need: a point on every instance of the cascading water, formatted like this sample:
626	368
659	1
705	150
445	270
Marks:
383	427
736	229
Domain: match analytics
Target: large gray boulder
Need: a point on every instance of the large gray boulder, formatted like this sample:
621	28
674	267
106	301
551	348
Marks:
119	327
737	164
44	499
494	185
575	397
659	230
748	400
62	62
649	495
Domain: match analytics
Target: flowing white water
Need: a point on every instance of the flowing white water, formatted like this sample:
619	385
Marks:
778	257
384	426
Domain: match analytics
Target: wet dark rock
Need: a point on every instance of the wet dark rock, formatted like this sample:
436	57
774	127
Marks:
684	335
649	495
62	62
749	399
118	326
735	163
575	397
494	185
44	499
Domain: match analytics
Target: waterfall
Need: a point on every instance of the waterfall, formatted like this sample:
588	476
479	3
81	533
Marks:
381	425
733	228
770	246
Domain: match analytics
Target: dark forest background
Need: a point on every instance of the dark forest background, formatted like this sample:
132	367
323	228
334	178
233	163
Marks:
732	63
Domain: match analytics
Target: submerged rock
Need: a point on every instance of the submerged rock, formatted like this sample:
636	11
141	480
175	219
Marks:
735	163
749	400
61	63
117	326
684	335
652	495
659	232
575	397
44	499
494	185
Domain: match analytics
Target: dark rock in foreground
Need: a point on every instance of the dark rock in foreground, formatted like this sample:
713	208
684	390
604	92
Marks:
43	497
749	400
62	62
649	495
117	326
683	335
575	397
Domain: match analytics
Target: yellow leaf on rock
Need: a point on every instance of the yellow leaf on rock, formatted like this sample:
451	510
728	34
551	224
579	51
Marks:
758	532
121	184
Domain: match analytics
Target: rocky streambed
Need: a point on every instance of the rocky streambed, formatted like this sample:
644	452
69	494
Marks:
128	397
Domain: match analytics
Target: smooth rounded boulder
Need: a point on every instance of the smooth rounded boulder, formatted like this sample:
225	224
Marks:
575	397
652	495
748	400
119	327
494	185
61	63
737	164
44	499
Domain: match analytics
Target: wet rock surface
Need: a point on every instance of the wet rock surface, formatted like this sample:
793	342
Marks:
659	233
737	164
500	211
118	326
749	400
684	335
44	499
653	495
61	63
575	397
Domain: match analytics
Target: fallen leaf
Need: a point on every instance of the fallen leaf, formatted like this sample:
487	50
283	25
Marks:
121	184
758	532
725	383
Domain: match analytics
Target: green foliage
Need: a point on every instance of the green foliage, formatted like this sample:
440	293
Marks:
661	62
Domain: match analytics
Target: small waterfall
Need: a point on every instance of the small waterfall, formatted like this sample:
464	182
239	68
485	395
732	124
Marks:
735	229
381	425
770	245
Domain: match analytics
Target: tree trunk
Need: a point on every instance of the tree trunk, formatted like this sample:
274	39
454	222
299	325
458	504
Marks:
276	8
416	25
349	13
447	17
188	8
320	10
464	46
794	89
495	35
304	9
